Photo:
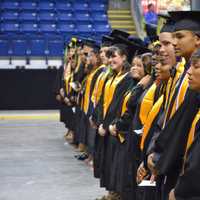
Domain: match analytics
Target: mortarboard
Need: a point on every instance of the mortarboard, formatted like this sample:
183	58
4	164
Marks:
107	41
168	25
186	20
131	48
88	42
136	40
117	32
196	54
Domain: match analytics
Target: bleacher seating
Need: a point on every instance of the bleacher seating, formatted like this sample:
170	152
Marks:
4	47
19	47
28	5
28	15
39	28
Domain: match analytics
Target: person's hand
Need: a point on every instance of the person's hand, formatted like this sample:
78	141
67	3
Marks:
171	195
145	81
78	87
92	124
66	100
113	130
150	162
69	103
62	93
141	173
101	130
58	97
72	99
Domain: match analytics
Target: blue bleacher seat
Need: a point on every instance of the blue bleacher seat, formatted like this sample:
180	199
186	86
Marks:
63	5
19	47
95	6
4	47
46	16
10	27
66	28
99	17
37	47
34	19
100	1
65	16
55	47
28	16
9	15
46	5
86	29
102	28
28	27
10	5
82	17
80	6
28	5
48	28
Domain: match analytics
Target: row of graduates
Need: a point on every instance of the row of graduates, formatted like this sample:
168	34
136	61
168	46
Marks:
136	111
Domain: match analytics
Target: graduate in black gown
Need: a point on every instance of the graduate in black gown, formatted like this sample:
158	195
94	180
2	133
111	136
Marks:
122	176
65	110
93	68
187	186
115	89
165	154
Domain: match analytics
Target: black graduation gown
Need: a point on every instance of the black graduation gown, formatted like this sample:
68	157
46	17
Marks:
97	117
65	111
79	75
120	178
84	120
171	143
69	114
188	187
134	151
110	142
58	84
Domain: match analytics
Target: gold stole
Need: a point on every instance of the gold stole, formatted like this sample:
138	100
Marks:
124	109
173	81
78	64
147	103
98	88
68	79
152	115
110	90
124	105
181	95
192	131
87	94
190	138
171	88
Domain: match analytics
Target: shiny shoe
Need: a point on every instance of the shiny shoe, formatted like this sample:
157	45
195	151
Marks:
82	156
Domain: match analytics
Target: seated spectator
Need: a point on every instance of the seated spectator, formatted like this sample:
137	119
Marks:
151	20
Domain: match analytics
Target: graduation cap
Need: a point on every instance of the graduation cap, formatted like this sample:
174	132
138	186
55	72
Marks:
88	42
79	42
96	47
168	25
196	55
131	49
119	33
107	41
137	40
186	20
